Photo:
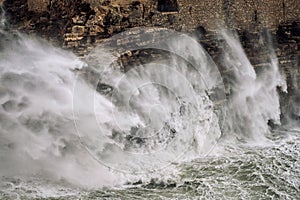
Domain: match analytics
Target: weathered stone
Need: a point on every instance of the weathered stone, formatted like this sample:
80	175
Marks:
72	44
79	20
82	24
78	30
38	5
95	30
242	14
72	37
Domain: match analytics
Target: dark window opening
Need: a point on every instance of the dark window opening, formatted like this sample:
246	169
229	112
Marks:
167	6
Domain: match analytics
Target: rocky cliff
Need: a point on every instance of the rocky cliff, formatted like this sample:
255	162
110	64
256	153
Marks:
78	23
82	24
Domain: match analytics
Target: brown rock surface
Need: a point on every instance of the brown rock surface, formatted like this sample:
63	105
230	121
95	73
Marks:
102	18
82	24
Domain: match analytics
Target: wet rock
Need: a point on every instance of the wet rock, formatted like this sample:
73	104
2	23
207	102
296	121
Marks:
96	30
79	19
81	25
78	30
104	89
154	183
72	37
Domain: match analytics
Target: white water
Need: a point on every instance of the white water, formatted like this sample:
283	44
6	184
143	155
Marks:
48	129
254	99
37	129
54	125
156	114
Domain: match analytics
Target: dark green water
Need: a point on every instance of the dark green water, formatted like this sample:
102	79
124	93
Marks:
243	172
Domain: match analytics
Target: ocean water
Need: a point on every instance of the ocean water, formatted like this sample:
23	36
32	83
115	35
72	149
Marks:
169	129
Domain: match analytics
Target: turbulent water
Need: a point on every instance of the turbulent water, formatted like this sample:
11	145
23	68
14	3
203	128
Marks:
168	129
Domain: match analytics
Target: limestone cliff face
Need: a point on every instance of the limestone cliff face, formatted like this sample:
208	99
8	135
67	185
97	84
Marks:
77	23
82	24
